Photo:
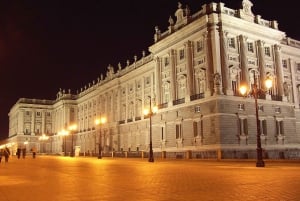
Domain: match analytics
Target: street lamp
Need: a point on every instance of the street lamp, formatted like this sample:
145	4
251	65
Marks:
72	128
255	92
150	112
100	121
64	133
43	138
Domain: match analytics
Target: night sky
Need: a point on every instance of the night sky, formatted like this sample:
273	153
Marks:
50	44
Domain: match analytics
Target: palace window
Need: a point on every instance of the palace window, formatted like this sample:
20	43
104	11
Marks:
298	67
250	47
263	127
284	63
279	127
167	61
267	51
178	131
181	54
198	128
199	46
231	42
243	126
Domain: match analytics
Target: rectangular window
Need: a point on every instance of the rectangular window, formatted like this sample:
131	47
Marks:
267	51
298	67
279	128
195	128
263	127
181	54
243	126
250	47
199	46
284	63
241	106
231	42
178	131
245	122
162	133
167	61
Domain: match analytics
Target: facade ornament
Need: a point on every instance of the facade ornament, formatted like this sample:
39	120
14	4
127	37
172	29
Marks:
171	21
157	34
187	11
110	72
179	13
119	66
217	83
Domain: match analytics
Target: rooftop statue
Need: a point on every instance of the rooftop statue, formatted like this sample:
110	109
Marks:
179	13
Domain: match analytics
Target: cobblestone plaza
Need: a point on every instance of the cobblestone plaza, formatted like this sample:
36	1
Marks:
86	179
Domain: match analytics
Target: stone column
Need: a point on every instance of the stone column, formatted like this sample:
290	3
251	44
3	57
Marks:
227	88
216	57
173	84
43	122
32	122
294	85
158	83
279	70
261	61
119	104
243	59
189	70
209	70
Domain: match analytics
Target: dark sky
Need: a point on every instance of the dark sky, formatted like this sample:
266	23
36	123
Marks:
51	44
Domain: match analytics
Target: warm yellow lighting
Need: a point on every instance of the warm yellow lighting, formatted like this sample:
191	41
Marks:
102	120
63	132
43	137
73	127
243	89
268	83
146	111
154	109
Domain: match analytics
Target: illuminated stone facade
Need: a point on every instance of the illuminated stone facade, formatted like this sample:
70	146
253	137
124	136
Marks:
192	74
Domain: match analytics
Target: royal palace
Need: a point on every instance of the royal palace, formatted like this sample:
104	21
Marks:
190	84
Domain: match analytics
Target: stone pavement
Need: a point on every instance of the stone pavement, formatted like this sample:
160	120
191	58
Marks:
53	178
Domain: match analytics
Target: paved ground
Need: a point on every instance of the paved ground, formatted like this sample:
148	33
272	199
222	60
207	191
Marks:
49	178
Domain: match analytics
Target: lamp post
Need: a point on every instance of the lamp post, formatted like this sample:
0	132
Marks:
64	133
43	138
100	121
150	112
255	92
72	128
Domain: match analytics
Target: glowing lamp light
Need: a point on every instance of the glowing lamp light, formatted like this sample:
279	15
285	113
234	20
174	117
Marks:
268	83
243	89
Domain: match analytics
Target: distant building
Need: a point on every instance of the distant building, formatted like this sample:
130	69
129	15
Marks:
192	74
